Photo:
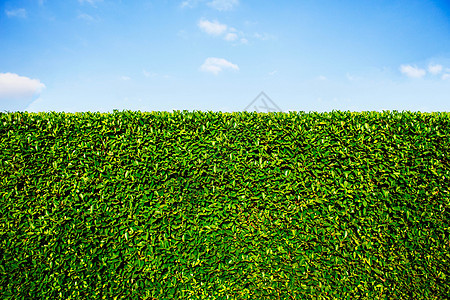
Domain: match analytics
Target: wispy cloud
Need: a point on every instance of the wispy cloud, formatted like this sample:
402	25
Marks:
264	36
148	74
125	78
18	13
250	23
213	28
216	65
153	75
220	5
188	3
434	69
352	77
446	76
91	2
13	86
86	17
412	71
223	5
231	37
321	77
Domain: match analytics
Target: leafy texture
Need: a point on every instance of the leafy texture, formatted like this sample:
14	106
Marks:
134	205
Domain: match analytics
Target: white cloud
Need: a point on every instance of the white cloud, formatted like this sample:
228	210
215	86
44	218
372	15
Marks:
13	87
321	77
412	72
445	76
223	5
215	28
216	65
273	73
125	78
435	69
19	13
231	37
212	28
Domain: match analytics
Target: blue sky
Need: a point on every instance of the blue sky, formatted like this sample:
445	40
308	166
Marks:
218	55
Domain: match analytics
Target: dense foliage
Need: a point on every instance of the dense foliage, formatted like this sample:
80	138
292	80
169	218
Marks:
210	205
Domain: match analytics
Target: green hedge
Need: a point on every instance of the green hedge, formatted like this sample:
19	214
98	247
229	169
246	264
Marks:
193	205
